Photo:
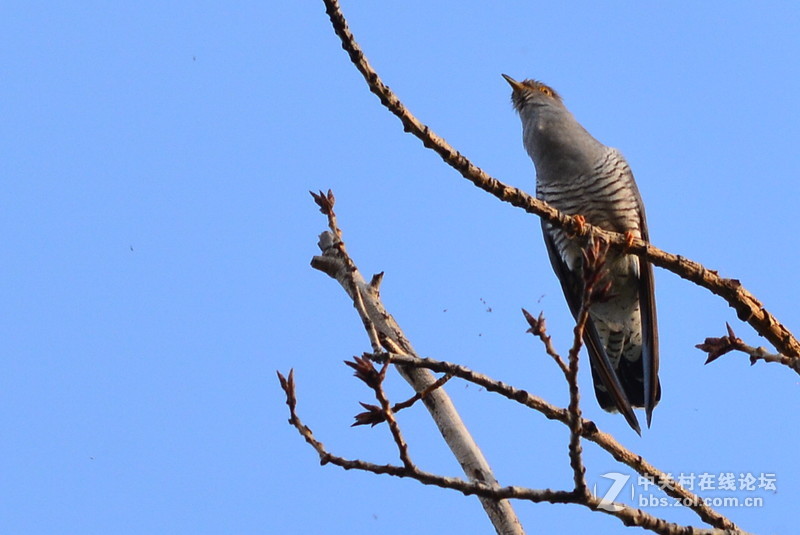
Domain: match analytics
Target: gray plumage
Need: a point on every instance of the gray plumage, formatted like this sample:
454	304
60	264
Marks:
578	175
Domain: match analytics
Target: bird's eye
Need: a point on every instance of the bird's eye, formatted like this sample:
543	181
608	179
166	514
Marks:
546	90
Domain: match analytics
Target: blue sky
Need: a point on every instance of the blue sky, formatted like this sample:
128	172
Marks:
157	229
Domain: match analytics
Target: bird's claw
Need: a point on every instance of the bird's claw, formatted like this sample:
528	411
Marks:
580	223
629	237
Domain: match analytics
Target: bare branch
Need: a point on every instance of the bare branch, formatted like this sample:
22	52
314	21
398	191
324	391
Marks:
538	328
589	431
331	264
596	288
748	308
374	379
716	347
574	409
373	415
384	331
627	515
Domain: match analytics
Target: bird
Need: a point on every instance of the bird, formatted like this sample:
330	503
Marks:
580	176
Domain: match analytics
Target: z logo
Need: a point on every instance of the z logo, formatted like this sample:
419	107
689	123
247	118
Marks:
607	501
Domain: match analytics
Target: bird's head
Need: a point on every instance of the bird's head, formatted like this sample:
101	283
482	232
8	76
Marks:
530	95
548	129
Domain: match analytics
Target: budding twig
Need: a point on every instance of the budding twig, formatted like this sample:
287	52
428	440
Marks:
538	328
373	378
716	347
374	415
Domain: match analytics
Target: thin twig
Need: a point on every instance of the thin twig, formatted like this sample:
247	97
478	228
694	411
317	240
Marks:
366	372
574	409
374	415
388	413
716	347
538	329
326	202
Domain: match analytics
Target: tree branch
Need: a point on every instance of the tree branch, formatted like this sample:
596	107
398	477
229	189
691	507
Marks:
574	409
374	415
385	332
589	431
575	422
373	378
628	515
716	347
538	329
748	308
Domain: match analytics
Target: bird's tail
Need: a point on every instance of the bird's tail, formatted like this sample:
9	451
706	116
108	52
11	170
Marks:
631	377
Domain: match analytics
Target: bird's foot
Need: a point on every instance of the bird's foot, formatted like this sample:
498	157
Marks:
580	223
629	237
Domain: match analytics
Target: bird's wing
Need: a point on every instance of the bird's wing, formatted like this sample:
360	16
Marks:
572	286
647	307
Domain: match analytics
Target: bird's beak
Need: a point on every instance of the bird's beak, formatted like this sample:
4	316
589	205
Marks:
516	86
